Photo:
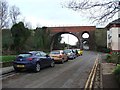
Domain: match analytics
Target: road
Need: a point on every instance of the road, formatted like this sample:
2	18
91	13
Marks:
71	74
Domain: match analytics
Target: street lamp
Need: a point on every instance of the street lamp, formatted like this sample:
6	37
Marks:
68	41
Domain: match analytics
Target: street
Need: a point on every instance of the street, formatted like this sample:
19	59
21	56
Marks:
71	74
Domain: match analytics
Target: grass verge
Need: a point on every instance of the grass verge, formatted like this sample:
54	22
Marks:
8	58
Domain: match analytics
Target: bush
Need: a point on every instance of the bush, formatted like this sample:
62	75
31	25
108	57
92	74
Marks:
9	58
109	59
103	49
117	73
113	57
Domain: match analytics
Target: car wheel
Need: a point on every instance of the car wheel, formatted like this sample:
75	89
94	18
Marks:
52	64
74	57
62	61
67	59
37	67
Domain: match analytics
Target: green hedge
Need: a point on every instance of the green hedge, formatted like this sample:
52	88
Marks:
117	73
8	58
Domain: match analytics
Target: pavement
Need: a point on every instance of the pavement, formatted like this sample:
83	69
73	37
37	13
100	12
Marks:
107	76
6	70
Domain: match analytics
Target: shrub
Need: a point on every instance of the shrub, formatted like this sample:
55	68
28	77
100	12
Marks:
9	58
103	49
113	57
109	58
117	73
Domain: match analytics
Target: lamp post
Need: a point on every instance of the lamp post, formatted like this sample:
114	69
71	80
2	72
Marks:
68	41
119	9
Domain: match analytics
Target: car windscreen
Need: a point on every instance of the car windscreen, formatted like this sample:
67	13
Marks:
25	55
55	52
67	51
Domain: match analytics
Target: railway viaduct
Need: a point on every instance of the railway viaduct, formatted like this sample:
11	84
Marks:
77	31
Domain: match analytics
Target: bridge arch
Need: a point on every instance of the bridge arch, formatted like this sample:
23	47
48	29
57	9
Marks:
76	31
60	33
85	40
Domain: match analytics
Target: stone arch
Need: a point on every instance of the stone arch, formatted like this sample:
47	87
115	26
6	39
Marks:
84	32
60	33
77	31
85	41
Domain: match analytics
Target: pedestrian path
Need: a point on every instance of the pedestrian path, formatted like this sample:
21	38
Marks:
6	70
108	78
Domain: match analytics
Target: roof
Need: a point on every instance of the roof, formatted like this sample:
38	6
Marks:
114	23
117	21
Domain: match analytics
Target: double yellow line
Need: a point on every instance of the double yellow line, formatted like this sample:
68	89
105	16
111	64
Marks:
92	74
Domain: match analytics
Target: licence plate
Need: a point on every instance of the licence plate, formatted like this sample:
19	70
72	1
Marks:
21	66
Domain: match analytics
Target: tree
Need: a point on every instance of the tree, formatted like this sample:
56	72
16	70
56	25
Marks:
3	14
7	40
100	11
56	43
14	13
42	38
101	39
20	34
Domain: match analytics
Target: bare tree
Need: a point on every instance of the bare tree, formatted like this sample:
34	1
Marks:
3	14
14	13
100	11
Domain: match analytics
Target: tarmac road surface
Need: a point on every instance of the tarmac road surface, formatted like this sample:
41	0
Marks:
71	74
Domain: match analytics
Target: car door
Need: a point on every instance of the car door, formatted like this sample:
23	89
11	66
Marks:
44	59
39	59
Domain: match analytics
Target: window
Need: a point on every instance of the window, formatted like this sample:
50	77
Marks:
55	52
25	55
43	54
37	54
119	35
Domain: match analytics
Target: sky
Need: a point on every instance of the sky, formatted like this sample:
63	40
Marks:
49	13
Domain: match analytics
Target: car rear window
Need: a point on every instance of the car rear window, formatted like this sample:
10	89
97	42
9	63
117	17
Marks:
25	55
55	52
67	51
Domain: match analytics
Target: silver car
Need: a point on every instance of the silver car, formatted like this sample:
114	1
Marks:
70	53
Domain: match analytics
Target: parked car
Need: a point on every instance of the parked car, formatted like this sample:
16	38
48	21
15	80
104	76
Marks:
59	56
33	60
70	53
79	52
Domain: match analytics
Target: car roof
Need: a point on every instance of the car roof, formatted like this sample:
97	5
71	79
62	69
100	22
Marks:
68	49
56	50
32	52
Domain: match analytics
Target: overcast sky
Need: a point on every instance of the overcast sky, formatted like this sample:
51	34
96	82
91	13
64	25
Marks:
49	13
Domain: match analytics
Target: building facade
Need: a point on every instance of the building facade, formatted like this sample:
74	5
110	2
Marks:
113	35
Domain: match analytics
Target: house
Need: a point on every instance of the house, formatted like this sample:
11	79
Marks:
113	35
